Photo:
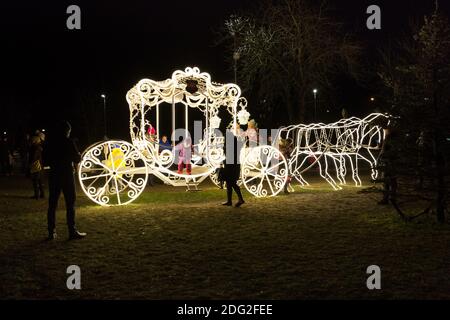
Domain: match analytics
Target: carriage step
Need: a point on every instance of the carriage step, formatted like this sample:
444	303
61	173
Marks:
192	186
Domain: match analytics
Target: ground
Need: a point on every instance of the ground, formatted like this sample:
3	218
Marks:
170	244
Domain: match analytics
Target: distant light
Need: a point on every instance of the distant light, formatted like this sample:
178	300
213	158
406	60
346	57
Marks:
103	96
4	133
372	99
315	90
43	130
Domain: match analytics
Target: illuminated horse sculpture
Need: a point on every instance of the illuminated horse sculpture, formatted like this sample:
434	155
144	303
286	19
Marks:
340	145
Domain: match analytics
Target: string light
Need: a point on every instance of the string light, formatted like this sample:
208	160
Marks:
115	172
342	145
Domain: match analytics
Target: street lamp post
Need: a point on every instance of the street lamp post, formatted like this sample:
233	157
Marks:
236	57
104	114
372	103
315	104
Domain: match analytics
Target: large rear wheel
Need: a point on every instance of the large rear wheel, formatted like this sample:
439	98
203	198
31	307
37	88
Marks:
113	173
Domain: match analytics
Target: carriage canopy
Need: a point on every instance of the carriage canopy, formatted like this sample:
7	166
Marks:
191	88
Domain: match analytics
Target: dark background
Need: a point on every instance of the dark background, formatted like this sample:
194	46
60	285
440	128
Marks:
50	72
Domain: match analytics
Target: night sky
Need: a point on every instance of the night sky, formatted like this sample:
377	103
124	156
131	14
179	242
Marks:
49	71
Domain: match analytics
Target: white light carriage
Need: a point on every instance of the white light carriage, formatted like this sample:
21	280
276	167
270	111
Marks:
116	172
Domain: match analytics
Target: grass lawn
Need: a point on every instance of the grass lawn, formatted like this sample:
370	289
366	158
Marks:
170	244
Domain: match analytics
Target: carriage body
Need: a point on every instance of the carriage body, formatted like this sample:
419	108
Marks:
115	172
188	89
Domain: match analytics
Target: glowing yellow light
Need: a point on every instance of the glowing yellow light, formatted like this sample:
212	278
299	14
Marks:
115	160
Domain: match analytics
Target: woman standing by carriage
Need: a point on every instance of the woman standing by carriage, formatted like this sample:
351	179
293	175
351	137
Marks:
232	167
36	166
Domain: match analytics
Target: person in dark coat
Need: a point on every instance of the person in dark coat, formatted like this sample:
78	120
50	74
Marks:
61	154
286	148
164	144
232	167
36	166
5	156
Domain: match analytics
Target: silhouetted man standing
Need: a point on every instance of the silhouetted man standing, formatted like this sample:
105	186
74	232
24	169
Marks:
232	168
61	154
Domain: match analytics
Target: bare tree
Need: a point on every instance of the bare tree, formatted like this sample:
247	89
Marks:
286	49
418	77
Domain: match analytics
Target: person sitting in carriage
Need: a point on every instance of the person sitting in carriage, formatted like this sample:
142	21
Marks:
185	151
251	133
151	133
164	144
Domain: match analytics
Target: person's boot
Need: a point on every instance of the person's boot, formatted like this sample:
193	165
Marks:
228	203
36	193
75	235
52	235
241	199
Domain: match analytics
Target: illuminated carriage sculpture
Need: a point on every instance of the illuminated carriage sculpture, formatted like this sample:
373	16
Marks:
115	172
337	145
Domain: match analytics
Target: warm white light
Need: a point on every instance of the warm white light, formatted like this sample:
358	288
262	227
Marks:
315	90
214	122
129	164
113	173
264	170
243	116
342	145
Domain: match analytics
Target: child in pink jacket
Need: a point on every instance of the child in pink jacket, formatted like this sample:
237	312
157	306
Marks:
185	150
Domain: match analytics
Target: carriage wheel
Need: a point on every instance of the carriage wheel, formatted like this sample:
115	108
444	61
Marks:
264	171
113	173
215	178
